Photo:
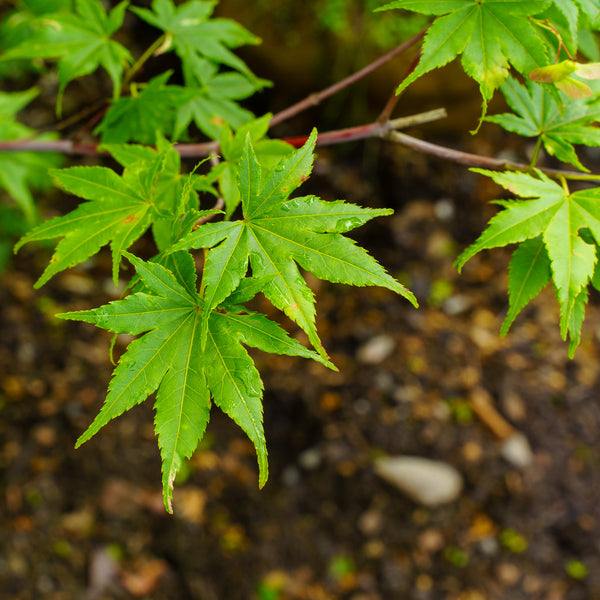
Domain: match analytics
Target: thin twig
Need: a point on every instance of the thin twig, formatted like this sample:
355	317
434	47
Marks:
387	130
377	129
77	117
317	98
386	113
70	147
67	147
476	160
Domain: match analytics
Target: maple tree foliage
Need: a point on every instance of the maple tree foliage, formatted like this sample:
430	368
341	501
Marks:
192	351
240	209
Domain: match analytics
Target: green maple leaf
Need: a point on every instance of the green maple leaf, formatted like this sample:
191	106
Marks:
119	209
22	171
145	114
557	218
576	22
196	37
528	273
212	102
80	40
276	234
168	359
268	153
489	34
559	127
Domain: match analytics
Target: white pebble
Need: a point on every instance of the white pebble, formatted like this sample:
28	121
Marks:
376	350
516	451
425	481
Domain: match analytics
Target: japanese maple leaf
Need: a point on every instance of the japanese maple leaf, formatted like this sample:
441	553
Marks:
80	40
572	18
268	153
144	115
168	359
489	34
119	209
212	102
552	226
197	37
22	171
276	234
559	127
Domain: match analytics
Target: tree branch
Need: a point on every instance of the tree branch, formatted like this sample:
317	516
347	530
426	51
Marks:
476	160
315	99
386	130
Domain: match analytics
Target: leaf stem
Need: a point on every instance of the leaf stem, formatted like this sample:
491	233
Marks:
141	61
536	152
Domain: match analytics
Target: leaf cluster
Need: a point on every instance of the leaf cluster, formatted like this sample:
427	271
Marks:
191	351
233	227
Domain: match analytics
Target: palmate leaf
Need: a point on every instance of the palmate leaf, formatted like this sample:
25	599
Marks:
489	34
560	127
212	102
196	37
168	360
277	234
118	211
580	20
268	153
558	218
528	274
22	171
143	116
80	40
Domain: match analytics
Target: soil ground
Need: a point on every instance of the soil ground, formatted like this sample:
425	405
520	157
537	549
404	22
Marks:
90	523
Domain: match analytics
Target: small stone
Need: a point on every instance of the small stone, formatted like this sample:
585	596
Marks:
376	350
456	305
431	540
427	482
310	459
290	476
444	209
508	573
516	451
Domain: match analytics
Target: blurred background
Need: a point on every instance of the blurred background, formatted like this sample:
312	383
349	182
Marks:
506	506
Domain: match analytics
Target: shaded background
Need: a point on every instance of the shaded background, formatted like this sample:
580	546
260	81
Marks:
91	524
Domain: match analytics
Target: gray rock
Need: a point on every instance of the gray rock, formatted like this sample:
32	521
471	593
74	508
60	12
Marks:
425	481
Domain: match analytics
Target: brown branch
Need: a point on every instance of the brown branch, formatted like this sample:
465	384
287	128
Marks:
387	131
377	129
67	147
70	147
386	113
317	98
476	160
